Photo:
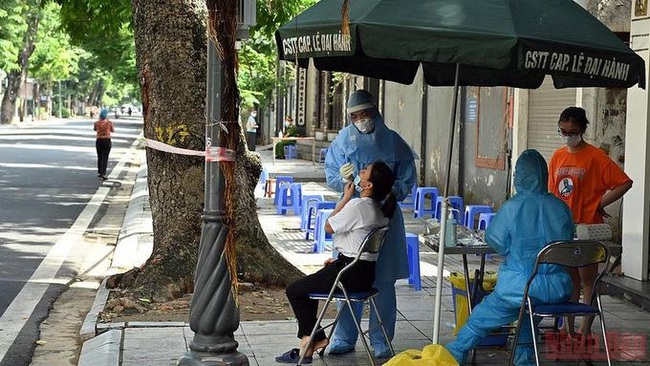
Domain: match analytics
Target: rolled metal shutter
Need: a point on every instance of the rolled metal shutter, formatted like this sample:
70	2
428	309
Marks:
544	107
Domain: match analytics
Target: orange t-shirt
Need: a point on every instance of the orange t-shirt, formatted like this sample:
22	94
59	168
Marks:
581	180
104	127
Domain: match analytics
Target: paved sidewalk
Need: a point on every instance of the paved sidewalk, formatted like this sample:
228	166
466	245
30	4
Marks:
164	343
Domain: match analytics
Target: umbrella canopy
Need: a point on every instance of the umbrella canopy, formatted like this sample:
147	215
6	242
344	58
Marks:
496	42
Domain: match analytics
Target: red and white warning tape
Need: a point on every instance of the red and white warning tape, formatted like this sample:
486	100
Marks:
211	153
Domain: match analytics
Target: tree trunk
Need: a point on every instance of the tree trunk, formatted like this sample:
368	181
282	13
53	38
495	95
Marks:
17	78
171	54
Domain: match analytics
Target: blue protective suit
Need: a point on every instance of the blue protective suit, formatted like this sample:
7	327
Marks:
383	144
520	229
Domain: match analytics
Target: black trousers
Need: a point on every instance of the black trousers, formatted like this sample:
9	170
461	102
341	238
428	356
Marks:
358	278
103	147
250	140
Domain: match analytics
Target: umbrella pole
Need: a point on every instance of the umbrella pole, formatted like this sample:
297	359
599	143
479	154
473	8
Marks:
443	216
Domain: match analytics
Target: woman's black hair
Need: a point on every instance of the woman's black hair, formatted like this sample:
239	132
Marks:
382	179
575	115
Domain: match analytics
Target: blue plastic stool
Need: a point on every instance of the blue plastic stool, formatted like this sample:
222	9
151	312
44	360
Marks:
289	196
279	180
471	211
322	155
311	216
484	220
413	251
290	152
409	201
455	202
307	200
420	209
321	237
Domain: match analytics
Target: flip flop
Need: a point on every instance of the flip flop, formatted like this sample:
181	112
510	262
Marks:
293	356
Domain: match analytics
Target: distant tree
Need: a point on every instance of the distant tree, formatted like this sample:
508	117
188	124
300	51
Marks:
25	17
103	29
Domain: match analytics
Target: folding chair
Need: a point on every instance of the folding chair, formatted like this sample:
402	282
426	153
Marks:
575	254
371	244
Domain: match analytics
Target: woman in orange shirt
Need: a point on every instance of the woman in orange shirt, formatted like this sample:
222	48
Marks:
584	177
103	127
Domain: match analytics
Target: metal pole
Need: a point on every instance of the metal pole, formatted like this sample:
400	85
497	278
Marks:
60	115
443	216
214	316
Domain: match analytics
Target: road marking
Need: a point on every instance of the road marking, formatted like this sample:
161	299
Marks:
23	305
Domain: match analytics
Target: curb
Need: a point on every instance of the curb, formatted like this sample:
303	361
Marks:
135	241
89	327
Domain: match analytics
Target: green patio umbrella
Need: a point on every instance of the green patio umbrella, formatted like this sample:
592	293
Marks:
496	42
462	42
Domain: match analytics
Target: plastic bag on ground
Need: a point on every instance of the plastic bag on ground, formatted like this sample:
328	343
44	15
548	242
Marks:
431	355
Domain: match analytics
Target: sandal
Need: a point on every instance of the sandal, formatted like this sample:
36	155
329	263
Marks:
293	356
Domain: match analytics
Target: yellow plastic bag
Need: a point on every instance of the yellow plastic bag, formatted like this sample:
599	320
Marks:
459	293
431	355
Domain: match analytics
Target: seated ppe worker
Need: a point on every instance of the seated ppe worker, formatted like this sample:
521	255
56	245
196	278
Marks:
290	131
351	220
522	227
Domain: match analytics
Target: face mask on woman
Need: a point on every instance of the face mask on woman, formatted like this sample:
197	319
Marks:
357	184
572	141
364	125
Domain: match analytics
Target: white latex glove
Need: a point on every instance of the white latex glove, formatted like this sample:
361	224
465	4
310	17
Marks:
347	172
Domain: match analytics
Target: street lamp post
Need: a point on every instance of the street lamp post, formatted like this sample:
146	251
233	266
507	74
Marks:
214	316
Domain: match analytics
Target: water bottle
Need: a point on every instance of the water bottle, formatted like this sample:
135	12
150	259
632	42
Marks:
451	234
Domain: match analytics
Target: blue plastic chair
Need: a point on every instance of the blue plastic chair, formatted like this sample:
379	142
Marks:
413	251
484	220
409	201
455	202
321	237
311	215
322	155
420	209
290	152
307	201
289	196
278	181
470	213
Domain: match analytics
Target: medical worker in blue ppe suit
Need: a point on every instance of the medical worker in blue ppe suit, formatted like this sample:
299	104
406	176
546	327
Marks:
367	139
524	225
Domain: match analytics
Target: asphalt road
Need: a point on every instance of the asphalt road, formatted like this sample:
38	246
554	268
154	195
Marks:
49	194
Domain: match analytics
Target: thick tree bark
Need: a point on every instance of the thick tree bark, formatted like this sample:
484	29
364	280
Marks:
171	49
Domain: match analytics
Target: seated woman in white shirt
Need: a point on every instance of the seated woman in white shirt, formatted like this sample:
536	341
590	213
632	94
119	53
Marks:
351	221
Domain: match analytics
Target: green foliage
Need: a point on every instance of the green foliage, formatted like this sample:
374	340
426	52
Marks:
104	30
53	58
12	29
257	78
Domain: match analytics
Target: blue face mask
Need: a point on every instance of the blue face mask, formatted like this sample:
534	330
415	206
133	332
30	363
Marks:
357	184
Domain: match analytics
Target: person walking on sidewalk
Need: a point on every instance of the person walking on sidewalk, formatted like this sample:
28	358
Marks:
351	220
584	177
103	128
367	139
251	130
522	227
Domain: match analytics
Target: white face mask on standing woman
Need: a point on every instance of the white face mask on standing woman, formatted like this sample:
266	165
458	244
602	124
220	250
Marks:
572	141
364	125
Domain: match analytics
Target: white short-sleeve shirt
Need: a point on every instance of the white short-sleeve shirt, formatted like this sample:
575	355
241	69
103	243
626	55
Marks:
353	223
